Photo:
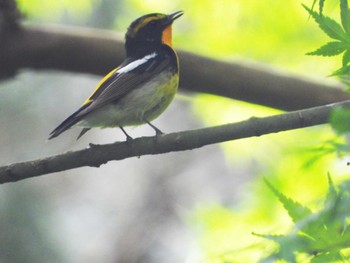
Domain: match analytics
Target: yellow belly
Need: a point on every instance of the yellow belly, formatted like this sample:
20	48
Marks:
140	105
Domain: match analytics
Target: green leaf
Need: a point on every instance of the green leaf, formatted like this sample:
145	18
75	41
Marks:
313	4
295	210
288	246
321	5
345	15
346	57
276	238
328	25
330	257
342	71
323	236
330	49
332	192
340	120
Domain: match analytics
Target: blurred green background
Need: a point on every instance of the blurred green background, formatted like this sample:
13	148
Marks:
198	206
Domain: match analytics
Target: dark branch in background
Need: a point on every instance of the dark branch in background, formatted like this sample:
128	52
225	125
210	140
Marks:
9	16
97	52
100	154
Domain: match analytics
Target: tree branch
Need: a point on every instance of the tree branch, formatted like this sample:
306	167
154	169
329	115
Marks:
97	52
97	155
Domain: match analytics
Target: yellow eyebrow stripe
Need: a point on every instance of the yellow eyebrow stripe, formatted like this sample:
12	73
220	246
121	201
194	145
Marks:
147	20
100	84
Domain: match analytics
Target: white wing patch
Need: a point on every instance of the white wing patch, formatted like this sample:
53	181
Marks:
136	63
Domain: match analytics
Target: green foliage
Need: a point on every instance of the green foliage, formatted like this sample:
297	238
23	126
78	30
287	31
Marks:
296	211
340	32
328	25
330	49
345	15
321	5
340	120
321	236
336	31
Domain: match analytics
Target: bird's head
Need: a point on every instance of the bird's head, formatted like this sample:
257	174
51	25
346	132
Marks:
150	31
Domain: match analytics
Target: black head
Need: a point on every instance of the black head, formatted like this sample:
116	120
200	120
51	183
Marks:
150	31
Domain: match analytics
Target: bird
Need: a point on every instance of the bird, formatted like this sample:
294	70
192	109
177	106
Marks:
141	88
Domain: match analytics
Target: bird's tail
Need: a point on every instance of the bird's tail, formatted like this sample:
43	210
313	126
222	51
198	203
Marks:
67	124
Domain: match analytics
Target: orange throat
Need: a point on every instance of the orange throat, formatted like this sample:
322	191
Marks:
166	37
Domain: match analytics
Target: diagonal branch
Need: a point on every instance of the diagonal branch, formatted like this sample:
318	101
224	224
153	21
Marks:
97	155
97	52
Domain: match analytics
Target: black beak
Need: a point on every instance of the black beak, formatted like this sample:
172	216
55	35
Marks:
175	15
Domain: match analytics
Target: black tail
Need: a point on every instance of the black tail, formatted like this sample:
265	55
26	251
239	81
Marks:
68	123
65	125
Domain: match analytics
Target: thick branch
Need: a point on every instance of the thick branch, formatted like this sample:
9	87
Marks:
97	52
100	154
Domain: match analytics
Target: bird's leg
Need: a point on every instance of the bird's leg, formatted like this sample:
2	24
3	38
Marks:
158	132
128	137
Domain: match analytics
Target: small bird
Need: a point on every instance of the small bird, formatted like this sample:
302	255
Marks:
141	88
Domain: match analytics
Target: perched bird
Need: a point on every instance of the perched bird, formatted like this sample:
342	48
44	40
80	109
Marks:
141	88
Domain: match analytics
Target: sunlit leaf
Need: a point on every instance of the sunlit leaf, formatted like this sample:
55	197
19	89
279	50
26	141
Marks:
330	257
276	238
321	5
342	71
330	49
332	192
322	235
295	210
345	15
346	57
328	25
